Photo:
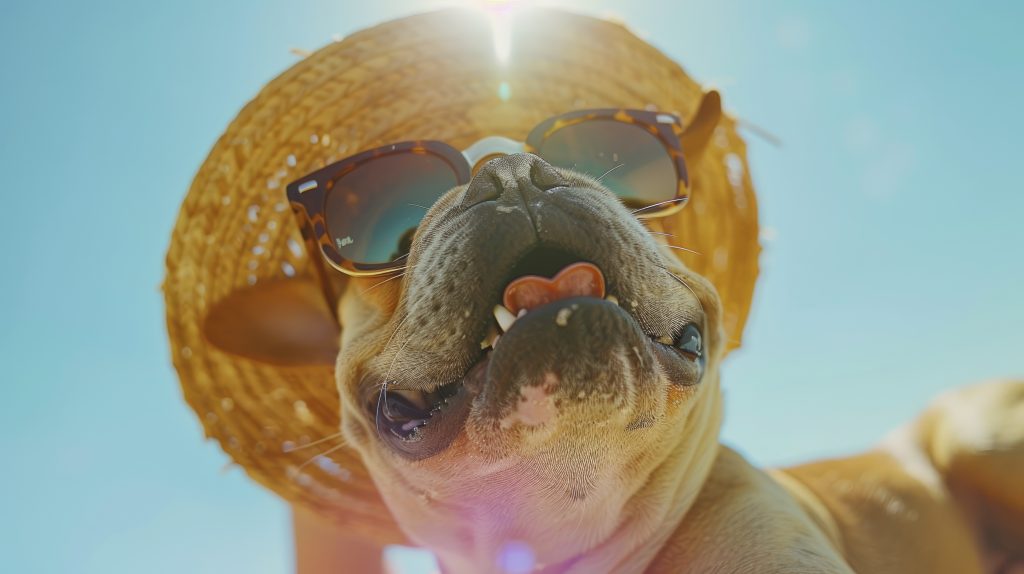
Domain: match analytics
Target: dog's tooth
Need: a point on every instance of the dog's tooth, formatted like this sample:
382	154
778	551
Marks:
520	313
504	317
490	338
612	299
496	341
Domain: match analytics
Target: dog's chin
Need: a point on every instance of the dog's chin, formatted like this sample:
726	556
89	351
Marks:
575	365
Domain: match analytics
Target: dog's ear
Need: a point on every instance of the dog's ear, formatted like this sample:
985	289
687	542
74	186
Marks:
283	322
701	125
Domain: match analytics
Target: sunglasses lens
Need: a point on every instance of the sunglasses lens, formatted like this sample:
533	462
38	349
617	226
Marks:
373	210
629	160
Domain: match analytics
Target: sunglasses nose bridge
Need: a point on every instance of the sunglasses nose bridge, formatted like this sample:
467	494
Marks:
484	150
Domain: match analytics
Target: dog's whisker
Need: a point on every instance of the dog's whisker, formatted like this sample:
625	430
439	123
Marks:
652	206
309	461
387	380
687	285
603	175
314	443
382	407
387	376
418	205
383	384
392	278
682	248
382	404
399	258
669	245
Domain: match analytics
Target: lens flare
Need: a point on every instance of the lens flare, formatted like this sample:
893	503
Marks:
516	557
500	15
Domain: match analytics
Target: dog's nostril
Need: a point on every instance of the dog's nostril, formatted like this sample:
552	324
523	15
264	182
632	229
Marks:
485	185
544	175
515	175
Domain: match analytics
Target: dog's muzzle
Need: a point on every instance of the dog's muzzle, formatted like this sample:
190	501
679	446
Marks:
532	286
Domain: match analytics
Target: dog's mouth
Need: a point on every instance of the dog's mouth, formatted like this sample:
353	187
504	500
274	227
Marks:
547	284
409	418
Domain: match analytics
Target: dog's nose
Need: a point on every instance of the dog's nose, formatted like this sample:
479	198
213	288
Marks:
514	177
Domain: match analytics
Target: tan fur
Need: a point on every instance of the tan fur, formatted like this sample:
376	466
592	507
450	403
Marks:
632	478
623	470
945	495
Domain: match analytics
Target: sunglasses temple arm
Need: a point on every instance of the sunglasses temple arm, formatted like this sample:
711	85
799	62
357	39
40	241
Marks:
326	287
317	259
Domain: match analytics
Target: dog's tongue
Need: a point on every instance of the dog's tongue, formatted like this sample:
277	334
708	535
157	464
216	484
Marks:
577	280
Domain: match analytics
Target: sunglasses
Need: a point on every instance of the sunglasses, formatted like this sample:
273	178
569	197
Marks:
362	211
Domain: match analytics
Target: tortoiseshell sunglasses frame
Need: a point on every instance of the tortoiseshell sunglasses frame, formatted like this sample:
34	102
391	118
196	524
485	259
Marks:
308	195
668	128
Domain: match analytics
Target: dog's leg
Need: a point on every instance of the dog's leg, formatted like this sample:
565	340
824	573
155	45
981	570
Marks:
974	437
745	521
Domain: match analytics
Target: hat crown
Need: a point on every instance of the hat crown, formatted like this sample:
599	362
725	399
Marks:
431	76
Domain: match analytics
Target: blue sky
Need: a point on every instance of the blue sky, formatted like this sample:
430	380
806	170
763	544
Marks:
892	265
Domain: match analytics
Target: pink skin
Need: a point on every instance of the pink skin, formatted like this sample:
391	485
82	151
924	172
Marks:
536	407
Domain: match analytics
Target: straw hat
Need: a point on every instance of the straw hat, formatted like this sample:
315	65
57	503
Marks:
236	265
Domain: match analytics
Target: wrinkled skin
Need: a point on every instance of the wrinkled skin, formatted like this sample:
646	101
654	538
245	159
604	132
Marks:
585	434
601	373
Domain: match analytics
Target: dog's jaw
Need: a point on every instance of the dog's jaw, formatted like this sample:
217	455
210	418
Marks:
588	460
467	508
621	527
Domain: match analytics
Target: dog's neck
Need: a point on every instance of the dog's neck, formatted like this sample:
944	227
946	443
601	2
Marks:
649	518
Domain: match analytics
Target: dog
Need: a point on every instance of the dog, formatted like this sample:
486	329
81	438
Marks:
535	385
587	430
539	390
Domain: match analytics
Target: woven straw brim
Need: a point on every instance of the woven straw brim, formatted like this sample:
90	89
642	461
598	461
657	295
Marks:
431	76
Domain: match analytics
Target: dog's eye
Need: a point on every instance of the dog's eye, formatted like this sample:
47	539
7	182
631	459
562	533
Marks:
401	412
689	342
